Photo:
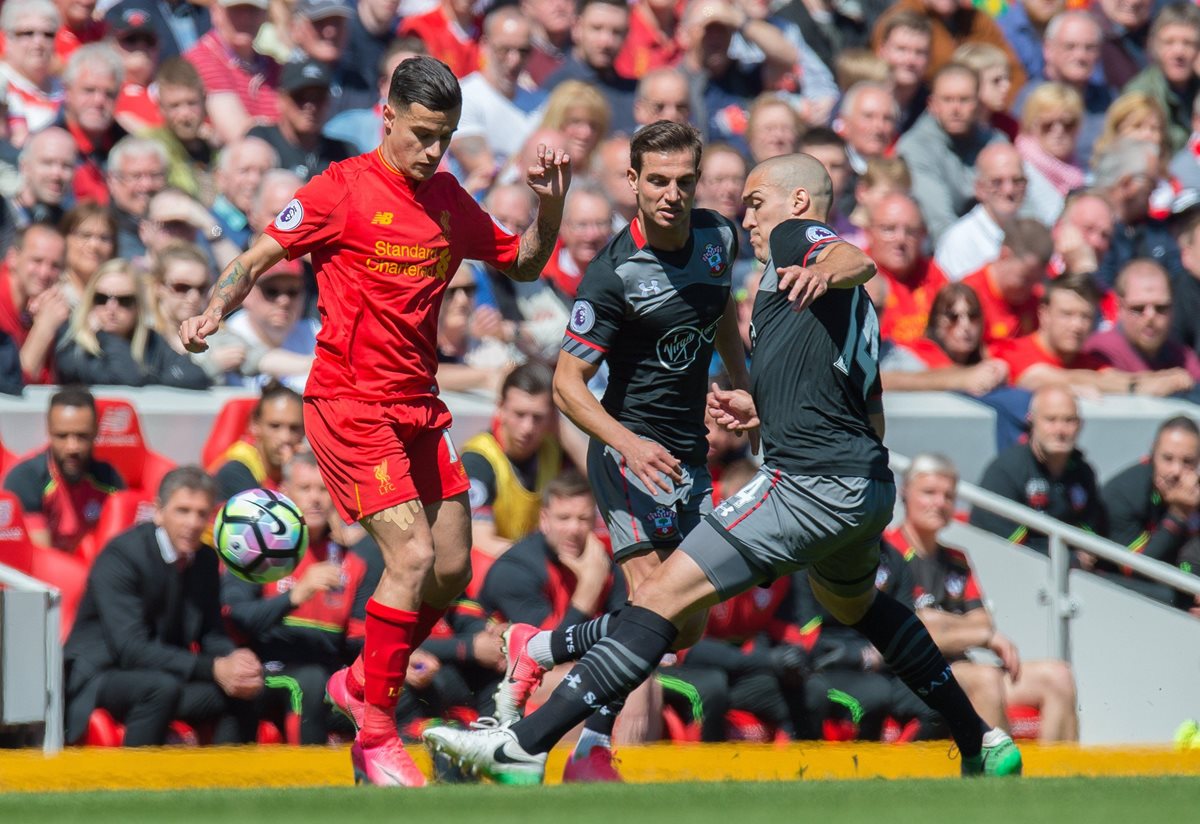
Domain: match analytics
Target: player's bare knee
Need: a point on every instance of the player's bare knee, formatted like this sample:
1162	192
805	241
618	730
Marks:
1061	680
689	634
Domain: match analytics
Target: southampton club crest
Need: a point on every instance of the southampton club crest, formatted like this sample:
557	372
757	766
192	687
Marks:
714	258
664	521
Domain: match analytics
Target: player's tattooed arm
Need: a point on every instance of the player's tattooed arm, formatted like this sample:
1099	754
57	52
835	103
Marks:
537	244
231	289
549	177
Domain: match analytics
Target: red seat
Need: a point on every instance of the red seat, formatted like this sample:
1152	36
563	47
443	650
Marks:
66	573
120	443
122	510
16	550
232	423
7	460
105	731
1024	722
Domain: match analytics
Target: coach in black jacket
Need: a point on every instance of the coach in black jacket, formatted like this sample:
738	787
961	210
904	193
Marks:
148	643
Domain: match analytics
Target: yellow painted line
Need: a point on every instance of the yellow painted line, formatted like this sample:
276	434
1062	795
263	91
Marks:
250	767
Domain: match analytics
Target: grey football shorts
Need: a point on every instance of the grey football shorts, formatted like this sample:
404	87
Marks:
780	523
640	519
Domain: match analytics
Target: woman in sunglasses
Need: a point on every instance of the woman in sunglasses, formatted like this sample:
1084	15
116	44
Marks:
109	339
1049	143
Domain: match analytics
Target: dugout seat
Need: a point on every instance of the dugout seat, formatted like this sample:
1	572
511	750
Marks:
7	460
64	572
105	731
120	443
122	510
232	423
1024	722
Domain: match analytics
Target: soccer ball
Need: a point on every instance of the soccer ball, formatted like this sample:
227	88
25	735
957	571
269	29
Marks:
260	535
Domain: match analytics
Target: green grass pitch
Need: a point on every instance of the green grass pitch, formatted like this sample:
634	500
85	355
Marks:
1011	801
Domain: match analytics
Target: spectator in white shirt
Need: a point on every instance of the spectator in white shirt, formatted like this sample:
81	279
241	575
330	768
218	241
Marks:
974	239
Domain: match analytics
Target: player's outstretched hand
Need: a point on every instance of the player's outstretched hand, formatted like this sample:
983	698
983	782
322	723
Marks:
733	409
194	330
652	464
803	285
550	175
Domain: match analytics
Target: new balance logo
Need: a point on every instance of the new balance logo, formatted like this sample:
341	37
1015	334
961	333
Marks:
382	219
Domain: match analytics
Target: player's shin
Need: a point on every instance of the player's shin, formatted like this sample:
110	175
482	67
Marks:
386	649
607	673
911	654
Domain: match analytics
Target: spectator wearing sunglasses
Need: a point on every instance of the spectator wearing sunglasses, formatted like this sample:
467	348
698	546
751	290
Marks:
109	339
1141	341
279	341
182	278
35	94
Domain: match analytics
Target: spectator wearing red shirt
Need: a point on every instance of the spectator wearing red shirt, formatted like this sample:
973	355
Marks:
1008	287
79	27
895	233
93	81
949	602
586	227
62	488
137	44
1054	353
241	83
651	42
32	304
1141	342
450	30
952	357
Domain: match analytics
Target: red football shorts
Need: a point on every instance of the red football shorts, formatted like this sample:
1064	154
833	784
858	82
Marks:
376	455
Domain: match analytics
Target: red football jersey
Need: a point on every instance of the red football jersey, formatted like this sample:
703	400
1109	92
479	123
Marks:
906	312
383	247
1001	320
1028	351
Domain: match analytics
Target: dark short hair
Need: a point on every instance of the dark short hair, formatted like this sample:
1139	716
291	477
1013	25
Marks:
943	302
1181	423
665	136
186	477
84	211
427	81
18	242
821	136
569	483
272	391
1079	284
76	396
531	377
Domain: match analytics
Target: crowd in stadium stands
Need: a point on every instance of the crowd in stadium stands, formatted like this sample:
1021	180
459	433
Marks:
1025	174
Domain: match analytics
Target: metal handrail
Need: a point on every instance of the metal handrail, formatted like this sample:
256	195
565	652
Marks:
1101	547
52	741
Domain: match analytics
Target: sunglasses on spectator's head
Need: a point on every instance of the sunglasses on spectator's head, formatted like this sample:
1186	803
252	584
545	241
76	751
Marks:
124	301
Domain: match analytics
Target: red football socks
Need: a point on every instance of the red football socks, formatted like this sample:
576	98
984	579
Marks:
388	645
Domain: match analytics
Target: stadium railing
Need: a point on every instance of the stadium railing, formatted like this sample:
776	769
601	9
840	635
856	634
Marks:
31	656
1134	657
1062	537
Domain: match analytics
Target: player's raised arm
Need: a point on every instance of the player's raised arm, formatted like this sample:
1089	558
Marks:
549	177
235	283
